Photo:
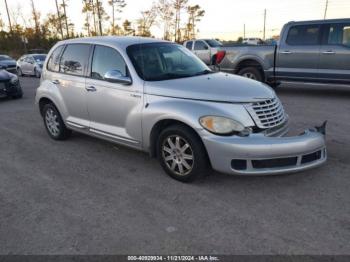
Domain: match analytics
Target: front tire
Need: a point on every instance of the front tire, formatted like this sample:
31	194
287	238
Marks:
181	153
19	71
251	73
54	124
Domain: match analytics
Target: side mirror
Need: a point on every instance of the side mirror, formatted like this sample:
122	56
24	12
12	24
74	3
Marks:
115	76
206	47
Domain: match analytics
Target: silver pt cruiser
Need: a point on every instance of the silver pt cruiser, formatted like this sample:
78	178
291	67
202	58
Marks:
158	97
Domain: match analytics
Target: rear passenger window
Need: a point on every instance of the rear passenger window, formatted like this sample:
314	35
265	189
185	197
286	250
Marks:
189	45
106	59
339	34
74	59
304	35
54	60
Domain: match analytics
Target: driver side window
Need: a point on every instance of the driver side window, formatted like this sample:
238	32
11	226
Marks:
106	59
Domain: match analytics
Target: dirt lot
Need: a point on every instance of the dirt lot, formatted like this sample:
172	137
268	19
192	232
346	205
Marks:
87	196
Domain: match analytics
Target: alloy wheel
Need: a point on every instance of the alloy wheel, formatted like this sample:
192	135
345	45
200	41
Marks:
52	123
178	155
249	75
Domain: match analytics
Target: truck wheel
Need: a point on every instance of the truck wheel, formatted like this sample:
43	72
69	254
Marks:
54	124
181	153
251	73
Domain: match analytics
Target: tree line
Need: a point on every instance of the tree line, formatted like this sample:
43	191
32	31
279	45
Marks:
177	18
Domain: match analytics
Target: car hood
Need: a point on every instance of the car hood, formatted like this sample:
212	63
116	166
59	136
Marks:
7	62
218	87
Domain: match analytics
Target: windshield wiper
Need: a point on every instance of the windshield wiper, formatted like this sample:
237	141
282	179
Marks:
204	72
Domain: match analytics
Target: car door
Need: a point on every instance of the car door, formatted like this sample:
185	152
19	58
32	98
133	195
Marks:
335	53
31	65
114	108
70	80
26	65
298	54
201	49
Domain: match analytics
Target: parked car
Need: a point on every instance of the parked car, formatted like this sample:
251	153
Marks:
311	51
205	49
253	41
158	97
9	85
31	64
7	63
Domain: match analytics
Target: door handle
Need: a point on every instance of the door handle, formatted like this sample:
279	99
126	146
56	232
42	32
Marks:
56	82
329	52
134	95
90	88
286	52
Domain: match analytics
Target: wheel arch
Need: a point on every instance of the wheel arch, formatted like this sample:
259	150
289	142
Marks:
251	61
44	101
161	125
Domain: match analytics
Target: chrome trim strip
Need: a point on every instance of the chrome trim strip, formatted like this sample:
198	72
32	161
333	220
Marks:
99	132
76	125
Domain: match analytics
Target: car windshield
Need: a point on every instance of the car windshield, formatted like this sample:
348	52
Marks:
5	57
213	43
39	58
164	61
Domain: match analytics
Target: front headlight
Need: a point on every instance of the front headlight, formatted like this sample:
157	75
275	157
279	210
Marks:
14	80
221	125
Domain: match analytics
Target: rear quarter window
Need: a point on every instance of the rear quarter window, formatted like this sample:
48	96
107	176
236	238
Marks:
189	45
54	60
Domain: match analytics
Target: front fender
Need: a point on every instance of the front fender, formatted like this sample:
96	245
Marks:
188	112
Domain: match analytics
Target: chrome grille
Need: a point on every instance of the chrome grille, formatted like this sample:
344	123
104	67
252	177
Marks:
268	113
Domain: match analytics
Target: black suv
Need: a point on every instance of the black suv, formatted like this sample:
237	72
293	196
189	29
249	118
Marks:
9	85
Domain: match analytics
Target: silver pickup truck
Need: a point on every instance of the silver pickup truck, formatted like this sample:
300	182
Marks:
309	51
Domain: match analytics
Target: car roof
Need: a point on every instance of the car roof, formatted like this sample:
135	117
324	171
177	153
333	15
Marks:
117	41
326	21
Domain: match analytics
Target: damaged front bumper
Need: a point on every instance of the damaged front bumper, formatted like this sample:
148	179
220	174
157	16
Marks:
258	154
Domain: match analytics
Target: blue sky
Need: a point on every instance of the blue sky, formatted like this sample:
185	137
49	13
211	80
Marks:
224	19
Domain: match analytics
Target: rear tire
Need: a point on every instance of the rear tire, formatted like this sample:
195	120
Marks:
251	73
54	124
182	154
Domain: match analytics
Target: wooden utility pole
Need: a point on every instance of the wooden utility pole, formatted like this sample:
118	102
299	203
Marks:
36	19
113	18
325	10
99	16
243	31
264	25
65	17
8	16
59	19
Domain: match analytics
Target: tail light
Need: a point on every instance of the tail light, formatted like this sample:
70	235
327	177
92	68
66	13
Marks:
220	56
